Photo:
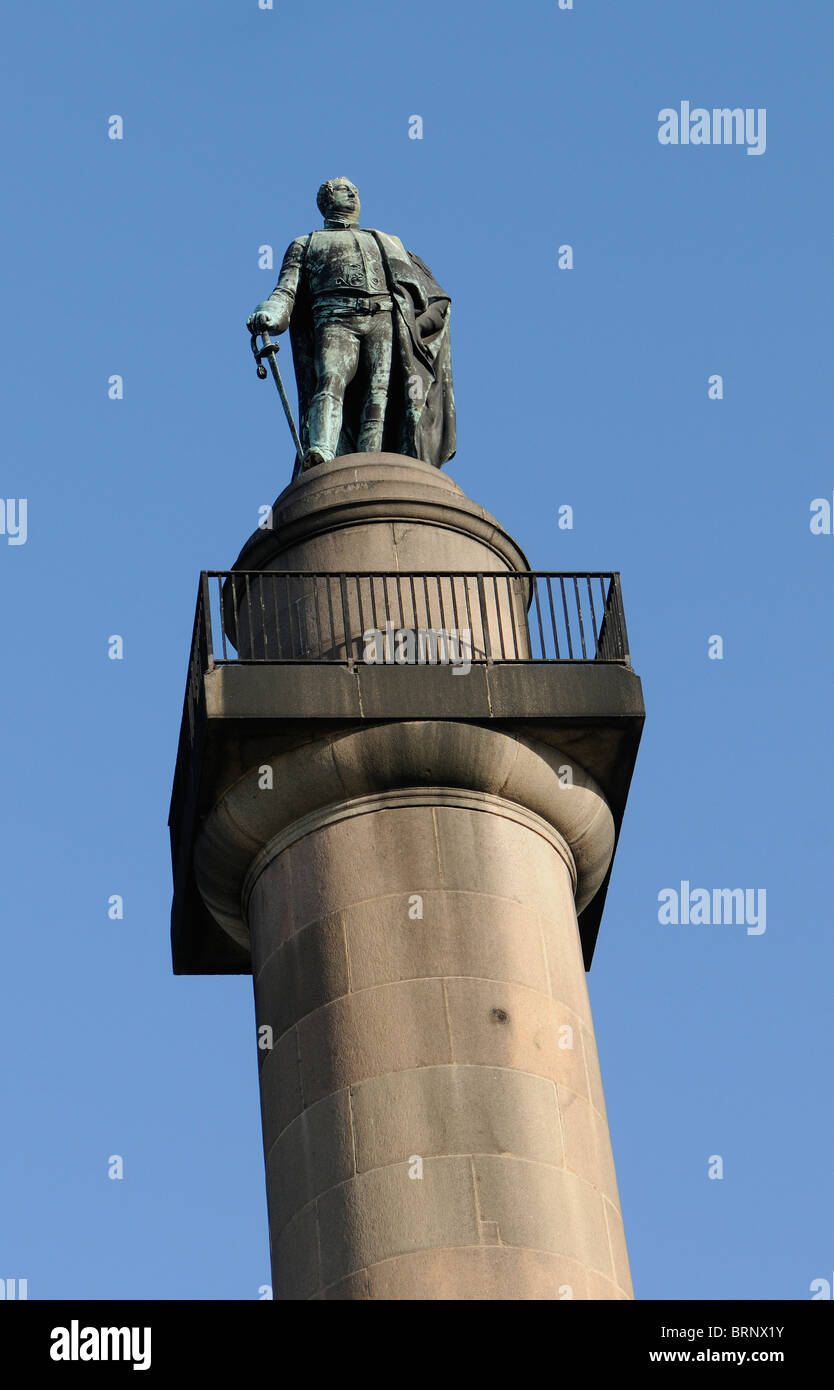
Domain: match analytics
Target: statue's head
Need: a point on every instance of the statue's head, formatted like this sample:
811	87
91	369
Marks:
339	199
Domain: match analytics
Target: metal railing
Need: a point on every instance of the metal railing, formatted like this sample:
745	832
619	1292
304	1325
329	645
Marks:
290	616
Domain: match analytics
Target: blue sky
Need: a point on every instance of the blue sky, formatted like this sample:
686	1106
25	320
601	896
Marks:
587	387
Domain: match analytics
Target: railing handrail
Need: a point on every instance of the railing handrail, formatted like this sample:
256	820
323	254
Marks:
407	574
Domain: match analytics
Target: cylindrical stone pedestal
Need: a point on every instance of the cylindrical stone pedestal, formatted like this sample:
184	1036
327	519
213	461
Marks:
434	1123
377	514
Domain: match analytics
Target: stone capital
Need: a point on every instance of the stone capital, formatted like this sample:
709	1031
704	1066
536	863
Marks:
346	772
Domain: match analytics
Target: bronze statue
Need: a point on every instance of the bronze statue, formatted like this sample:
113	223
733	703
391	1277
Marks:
369	327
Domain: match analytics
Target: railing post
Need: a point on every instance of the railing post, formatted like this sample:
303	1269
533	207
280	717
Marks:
348	641
484	621
205	603
621	623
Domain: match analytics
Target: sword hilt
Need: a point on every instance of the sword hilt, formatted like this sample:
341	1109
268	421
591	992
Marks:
268	350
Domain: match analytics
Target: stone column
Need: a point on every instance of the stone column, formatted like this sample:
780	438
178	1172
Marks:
407	891
434	1122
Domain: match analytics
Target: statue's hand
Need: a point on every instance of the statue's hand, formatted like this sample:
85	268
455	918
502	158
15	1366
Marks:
267	316
431	321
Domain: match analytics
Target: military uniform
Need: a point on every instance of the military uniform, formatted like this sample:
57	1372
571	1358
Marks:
351	308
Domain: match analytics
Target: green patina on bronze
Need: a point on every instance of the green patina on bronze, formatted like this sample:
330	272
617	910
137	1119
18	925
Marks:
369	327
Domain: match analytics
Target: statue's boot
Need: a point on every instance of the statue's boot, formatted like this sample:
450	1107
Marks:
312	458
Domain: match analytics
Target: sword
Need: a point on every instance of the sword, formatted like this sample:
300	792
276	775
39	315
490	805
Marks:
270	351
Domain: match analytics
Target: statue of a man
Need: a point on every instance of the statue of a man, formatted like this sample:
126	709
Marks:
369	327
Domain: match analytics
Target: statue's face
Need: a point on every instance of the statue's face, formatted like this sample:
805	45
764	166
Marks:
344	201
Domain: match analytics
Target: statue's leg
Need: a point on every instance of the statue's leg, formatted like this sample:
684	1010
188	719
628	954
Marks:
336	360
376	354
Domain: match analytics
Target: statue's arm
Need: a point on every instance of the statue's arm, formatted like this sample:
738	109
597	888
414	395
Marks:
274	313
438	302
